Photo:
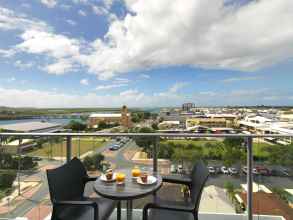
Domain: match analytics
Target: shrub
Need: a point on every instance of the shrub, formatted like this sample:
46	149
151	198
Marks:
93	162
6	178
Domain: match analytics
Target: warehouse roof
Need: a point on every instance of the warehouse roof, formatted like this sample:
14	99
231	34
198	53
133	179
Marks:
31	127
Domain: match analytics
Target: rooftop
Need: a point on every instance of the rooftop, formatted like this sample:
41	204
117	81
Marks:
273	205
106	115
30	127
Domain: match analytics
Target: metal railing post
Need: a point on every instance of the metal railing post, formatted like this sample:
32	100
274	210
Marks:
68	148
155	154
249	178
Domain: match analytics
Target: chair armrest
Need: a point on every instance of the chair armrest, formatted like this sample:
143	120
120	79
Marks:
178	179
75	203
89	178
165	207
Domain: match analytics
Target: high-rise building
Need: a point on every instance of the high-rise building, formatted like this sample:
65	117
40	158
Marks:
187	106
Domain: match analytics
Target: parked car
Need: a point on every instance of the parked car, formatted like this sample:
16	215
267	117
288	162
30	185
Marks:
212	170
180	168
173	168
114	147
285	172
255	171
244	170
232	170
263	170
280	172
36	158
224	170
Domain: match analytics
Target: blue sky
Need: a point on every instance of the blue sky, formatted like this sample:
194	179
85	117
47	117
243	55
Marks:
94	53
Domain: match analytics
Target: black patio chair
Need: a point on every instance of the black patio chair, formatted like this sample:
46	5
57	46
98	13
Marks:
177	210
66	186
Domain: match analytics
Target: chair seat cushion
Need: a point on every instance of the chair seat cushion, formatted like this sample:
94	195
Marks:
161	214
105	208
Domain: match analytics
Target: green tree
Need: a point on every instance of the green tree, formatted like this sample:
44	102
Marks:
93	162
76	126
166	150
233	151
280	154
146	115
27	163
145	143
6	179
155	126
135	118
230	189
187	157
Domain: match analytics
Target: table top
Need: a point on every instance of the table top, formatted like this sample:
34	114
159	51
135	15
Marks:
129	190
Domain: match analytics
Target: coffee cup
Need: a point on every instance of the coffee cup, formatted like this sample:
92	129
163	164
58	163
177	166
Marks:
144	177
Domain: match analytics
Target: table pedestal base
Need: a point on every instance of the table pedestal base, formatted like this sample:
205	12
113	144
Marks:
129	209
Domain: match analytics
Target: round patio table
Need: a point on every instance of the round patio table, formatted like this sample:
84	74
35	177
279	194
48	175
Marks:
129	191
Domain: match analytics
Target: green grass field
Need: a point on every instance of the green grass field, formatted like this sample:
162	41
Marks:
258	147
59	150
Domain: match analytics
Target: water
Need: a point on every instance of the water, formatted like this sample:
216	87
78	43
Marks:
62	121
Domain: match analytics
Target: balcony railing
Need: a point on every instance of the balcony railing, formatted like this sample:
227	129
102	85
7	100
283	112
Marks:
249	139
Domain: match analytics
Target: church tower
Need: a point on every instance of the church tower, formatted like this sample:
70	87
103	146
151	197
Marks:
125	117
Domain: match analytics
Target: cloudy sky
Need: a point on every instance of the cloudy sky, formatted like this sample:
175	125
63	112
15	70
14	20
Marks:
93	53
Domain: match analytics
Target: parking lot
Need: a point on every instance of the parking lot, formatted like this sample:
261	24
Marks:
219	175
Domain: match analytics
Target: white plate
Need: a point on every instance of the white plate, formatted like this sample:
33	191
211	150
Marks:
151	180
104	178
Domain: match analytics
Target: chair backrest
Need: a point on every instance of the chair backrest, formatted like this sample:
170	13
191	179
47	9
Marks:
199	177
67	181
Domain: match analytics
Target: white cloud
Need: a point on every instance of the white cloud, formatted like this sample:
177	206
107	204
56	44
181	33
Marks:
84	82
65	7
160	33
49	3
110	86
60	67
80	1
195	33
9	20
121	80
144	76
71	22
108	3
25	5
82	13
63	50
40	42
99	10
245	78
21	65
135	98
177	86
7	52
11	79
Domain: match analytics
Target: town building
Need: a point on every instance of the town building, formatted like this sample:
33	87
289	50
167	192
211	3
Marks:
187	106
261	125
164	125
123	118
19	145
32	127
